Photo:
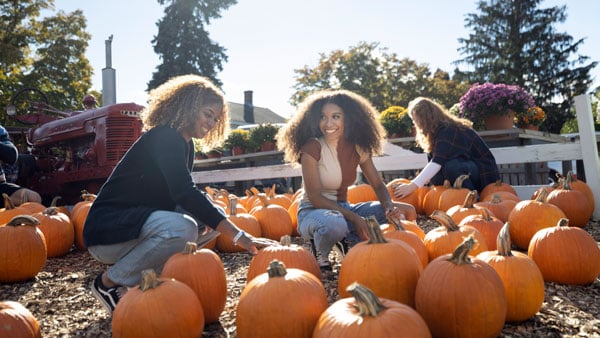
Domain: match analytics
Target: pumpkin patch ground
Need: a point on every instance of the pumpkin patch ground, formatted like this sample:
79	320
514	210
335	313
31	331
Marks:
60	299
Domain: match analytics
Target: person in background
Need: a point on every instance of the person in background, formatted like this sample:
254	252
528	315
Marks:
89	102
9	173
149	207
331	135
453	149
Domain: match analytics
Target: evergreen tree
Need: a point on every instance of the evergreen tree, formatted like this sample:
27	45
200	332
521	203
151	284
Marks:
183	43
515	42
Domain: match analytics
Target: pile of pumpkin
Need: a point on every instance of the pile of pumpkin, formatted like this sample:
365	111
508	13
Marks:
490	255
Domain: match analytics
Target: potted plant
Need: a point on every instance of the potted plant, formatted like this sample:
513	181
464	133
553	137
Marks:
238	141
396	122
263	137
215	152
532	118
487	103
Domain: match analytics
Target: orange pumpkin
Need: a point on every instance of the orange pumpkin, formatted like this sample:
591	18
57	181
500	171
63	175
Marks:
495	187
362	192
460	211
530	216
274	220
454	195
499	208
79	214
432	197
488	225
299	296
412	198
574	203
445	238
16	321
365	314
244	221
565	254
455	290
410	238
369	263
583	187
58	231
158	308
203	271
22	249
522	279
10	210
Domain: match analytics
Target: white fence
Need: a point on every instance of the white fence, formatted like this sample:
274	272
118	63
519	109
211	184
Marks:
396	158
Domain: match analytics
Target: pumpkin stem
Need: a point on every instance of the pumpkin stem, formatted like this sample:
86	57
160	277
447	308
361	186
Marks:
367	303
375	233
8	204
286	240
503	241
541	197
23	220
461	253
54	202
470	199
276	269
232	206
445	220
396	224
190	248
50	211
458	183
149	280
563	222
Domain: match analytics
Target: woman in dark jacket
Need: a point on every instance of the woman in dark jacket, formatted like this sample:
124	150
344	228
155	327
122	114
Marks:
150	207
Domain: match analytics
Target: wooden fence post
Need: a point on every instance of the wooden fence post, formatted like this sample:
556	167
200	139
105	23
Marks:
589	147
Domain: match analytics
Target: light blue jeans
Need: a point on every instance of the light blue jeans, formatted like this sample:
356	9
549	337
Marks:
164	234
327	227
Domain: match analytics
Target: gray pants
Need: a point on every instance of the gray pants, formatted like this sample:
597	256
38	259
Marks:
164	234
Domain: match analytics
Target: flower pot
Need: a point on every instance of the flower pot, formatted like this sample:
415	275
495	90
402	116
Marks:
267	146
237	150
502	121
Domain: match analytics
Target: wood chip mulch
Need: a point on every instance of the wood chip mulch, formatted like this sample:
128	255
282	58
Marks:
60	299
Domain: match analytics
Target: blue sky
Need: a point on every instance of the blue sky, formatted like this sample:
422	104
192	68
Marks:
267	39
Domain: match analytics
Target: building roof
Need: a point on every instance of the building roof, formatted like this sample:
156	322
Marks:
261	115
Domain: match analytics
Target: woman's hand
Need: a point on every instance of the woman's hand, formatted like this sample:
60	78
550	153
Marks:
398	211
252	244
403	190
361	226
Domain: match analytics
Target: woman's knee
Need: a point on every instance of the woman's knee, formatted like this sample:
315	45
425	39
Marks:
171	225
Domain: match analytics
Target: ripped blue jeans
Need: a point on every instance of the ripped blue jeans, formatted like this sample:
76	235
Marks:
327	227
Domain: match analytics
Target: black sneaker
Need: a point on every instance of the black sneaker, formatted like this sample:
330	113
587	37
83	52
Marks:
341	247
108	297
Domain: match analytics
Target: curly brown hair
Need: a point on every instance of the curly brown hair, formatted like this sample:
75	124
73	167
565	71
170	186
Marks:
176	103
428	116
361	124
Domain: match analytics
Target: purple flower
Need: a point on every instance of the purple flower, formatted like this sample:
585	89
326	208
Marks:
486	99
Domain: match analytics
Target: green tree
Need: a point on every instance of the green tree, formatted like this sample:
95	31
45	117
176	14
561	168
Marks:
183	43
373	72
46	53
515	42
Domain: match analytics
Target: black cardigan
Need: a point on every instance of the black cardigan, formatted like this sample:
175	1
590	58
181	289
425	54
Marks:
153	175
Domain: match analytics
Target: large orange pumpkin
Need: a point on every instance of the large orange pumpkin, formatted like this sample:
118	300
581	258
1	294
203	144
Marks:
369	263
16	321
22	249
158	308
565	254
454	195
488	225
522	279
274	220
366	315
412	198
280	303
244	221
530	216
203	271
461	296
574	203
362	192
292	255
432	197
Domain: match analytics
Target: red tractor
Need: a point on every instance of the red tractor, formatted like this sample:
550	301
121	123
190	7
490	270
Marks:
77	150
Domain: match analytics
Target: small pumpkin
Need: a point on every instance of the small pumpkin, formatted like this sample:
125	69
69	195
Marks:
495	187
274	219
460	211
574	203
362	192
454	195
292	255
455	290
78	216
410	238
16	321
280	303
203	271
23	249
58	231
364	312
242	220
158	308
432	197
565	254
488	225
522	279
445	238
369	263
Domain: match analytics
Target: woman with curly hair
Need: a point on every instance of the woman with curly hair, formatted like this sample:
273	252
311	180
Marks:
331	135
149	207
453	149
